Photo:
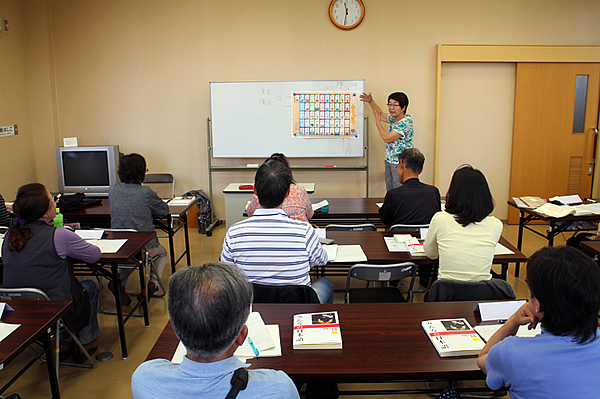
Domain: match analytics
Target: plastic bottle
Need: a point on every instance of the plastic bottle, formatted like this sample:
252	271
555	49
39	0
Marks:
58	219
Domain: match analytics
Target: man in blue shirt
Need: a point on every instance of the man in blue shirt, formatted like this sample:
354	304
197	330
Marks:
209	306
564	360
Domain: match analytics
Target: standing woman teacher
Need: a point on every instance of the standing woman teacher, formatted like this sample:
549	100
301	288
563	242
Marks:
397	137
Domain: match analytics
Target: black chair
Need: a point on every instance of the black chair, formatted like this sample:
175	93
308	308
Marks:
408	228
351	227
381	274
284	294
161	178
451	290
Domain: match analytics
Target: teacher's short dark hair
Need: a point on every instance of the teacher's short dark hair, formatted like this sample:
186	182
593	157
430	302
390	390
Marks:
401	98
209	306
566	283
272	183
132	168
413	159
469	197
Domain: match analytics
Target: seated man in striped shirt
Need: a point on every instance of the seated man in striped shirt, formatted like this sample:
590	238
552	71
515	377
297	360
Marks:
271	248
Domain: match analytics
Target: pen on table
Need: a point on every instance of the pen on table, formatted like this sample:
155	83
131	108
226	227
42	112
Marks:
590	200
252	346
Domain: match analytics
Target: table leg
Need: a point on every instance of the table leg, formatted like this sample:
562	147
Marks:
519	240
187	238
171	247
114	267
551	234
504	272
144	274
50	365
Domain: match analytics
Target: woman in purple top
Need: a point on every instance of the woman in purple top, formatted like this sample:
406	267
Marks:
38	255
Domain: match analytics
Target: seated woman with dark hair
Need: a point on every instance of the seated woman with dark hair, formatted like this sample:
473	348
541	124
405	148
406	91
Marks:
464	235
133	206
296	204
38	255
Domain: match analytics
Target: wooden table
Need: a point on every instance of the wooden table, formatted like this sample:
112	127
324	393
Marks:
99	216
108	267
557	225
592	245
381	343
35	318
349	208
374	247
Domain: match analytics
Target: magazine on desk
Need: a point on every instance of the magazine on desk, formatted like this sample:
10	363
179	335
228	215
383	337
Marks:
317	331
453	337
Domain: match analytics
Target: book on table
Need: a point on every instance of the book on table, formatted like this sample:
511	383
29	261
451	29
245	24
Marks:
453	337
529	202
557	211
317	331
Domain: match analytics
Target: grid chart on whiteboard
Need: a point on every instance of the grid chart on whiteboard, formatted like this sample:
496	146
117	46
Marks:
320	114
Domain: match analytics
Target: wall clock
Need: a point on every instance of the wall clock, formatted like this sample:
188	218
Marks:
346	14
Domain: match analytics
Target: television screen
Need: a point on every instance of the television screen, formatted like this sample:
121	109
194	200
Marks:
89	170
85	168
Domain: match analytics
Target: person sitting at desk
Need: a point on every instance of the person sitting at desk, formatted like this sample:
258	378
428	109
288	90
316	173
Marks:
464	235
208	306
38	255
133	206
562	361
413	202
272	248
296	203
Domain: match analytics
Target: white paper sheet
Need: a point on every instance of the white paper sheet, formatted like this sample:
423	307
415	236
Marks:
486	331
109	246
331	250
244	351
502	250
499	310
5	306
7	329
90	234
320	205
349	254
395	246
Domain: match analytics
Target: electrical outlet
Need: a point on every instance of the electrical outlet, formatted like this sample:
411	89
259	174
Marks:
10	130
5	24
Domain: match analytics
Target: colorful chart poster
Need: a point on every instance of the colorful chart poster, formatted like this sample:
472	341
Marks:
325	114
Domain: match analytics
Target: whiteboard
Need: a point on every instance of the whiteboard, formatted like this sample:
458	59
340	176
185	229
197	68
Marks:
253	119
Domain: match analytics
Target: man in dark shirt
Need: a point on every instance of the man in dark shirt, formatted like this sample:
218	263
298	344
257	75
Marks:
413	202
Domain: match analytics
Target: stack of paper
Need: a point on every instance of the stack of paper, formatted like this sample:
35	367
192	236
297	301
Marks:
180	201
556	211
345	253
109	246
317	331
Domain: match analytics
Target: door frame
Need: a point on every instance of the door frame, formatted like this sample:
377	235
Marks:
504	54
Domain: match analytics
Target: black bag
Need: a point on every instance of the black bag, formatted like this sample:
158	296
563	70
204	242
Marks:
79	315
203	204
449	392
75	202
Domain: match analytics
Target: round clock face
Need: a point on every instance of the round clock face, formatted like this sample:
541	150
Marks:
346	14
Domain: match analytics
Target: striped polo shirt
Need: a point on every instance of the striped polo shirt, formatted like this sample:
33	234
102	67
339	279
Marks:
273	249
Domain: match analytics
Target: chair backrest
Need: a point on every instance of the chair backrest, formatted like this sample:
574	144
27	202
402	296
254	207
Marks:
161	178
26	294
450	290
382	273
284	294
409	228
351	227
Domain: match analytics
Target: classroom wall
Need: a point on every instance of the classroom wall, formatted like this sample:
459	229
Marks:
17	155
136	72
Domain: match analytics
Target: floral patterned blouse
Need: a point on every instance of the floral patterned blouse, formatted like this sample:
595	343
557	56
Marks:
296	205
405	127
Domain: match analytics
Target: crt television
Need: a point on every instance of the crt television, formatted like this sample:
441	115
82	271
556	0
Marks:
88	170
